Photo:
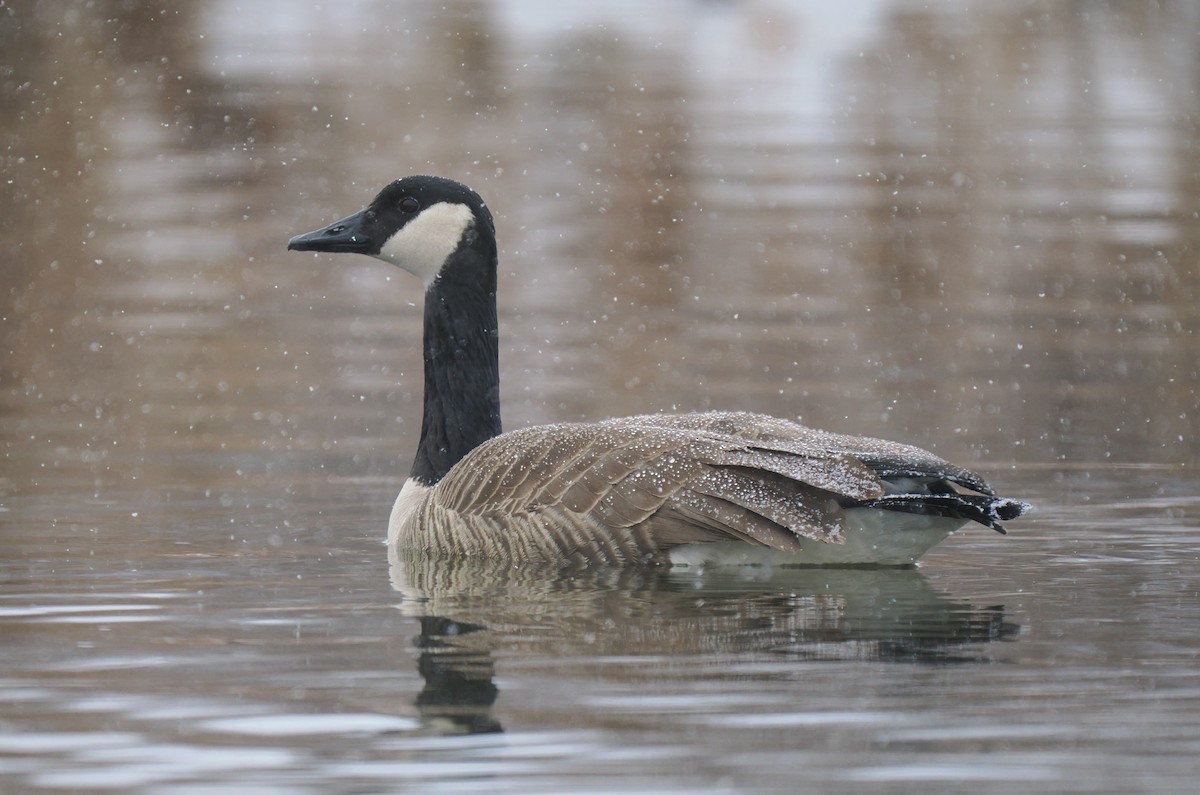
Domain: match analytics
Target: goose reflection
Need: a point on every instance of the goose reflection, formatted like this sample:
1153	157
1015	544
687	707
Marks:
469	608
459	689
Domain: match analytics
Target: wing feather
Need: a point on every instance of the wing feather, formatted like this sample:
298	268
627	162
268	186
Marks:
639	485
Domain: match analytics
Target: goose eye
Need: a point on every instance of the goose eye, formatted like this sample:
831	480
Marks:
409	205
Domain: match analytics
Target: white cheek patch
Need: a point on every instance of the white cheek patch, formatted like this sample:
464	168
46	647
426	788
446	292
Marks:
422	246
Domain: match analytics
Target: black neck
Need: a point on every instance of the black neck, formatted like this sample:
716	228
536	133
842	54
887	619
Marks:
462	362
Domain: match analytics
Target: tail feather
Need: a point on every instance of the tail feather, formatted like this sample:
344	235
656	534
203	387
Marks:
987	511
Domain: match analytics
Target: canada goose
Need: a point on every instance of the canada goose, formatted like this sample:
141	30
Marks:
683	488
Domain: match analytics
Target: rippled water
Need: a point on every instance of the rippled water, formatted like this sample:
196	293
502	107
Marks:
971	228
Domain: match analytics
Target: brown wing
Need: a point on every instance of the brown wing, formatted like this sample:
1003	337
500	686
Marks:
885	458
636	486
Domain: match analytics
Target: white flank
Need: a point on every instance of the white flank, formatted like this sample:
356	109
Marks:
873	537
422	245
407	501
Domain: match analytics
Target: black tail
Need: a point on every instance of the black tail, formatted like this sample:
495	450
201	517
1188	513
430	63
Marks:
988	511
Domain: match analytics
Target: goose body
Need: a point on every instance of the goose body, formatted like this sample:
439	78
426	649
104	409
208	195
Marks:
664	488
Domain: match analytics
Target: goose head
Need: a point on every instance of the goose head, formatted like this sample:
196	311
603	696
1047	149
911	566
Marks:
418	223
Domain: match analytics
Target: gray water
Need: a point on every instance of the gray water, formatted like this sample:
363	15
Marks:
972	228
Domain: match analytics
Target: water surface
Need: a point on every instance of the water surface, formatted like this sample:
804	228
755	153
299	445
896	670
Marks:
973	229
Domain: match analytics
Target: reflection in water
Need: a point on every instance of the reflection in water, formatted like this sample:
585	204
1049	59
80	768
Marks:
468	608
459	691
